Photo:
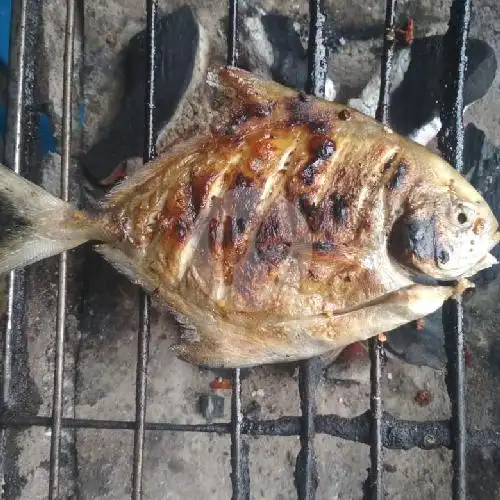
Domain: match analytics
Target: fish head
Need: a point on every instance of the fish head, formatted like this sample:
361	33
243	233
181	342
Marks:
446	230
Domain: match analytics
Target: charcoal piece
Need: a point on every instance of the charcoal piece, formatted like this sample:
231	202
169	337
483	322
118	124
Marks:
177	36
415	102
211	406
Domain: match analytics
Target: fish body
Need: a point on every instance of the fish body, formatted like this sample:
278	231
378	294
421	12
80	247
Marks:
296	227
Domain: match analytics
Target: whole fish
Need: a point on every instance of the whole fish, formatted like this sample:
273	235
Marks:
295	227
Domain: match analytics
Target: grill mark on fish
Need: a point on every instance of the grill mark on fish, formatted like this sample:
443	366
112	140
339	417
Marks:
339	208
322	149
273	240
262	199
302	112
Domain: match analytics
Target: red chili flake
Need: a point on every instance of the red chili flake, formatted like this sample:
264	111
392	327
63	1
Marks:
420	324
468	355
354	351
423	397
407	34
221	384
118	174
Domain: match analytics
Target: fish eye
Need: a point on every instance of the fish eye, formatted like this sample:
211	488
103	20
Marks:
464	215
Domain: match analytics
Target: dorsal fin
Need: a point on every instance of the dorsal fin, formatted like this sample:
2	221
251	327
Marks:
239	85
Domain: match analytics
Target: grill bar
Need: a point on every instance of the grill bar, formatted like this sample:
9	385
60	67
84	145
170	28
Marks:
57	402
451	143
306	475
13	157
398	434
375	487
240	475
18	156
144	299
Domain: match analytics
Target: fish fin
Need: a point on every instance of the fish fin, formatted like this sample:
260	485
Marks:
239	85
125	265
35	225
176	159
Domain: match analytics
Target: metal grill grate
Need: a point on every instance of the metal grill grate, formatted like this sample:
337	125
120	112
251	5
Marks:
374	427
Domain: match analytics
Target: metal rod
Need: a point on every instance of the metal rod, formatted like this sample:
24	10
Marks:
398	435
375	484
144	299
240	476
382	113
375	487
306	476
13	158
451	143
232	33
316	50
57	402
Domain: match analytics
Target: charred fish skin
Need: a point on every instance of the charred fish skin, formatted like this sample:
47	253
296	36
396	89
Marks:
298	226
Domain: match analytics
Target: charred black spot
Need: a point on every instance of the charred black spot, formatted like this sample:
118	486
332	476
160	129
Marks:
230	130
240	224
242	181
181	230
325	149
212	230
422	236
303	96
300	112
339	208
233	229
319	126
259	109
345	115
308	208
323	246
388	164
399	176
309	172
271	242
414	238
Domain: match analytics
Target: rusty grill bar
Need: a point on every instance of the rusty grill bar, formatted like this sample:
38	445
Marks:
374	427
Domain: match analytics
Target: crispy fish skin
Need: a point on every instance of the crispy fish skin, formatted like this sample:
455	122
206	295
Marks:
298	226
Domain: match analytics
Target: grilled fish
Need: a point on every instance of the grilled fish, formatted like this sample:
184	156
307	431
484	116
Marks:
295	227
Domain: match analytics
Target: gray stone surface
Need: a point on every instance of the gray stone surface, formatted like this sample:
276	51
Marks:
102	318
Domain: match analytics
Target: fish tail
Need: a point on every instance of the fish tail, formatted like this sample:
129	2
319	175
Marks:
35	225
